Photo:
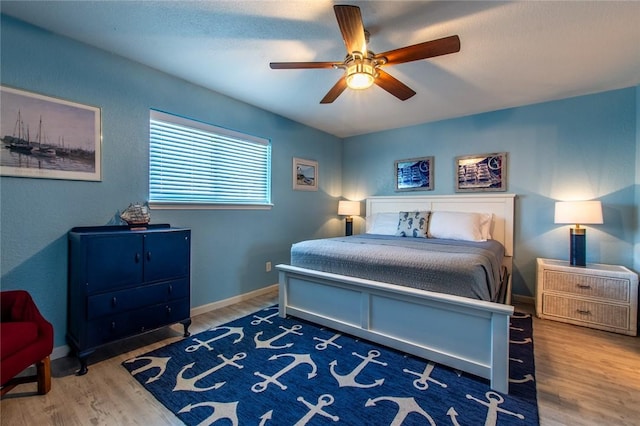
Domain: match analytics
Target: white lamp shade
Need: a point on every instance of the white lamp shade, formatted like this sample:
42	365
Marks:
578	212
349	208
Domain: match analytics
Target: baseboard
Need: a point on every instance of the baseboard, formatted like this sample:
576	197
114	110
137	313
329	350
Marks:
60	352
232	300
525	300
63	351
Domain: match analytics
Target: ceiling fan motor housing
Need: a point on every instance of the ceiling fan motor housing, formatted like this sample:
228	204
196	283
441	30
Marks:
361	71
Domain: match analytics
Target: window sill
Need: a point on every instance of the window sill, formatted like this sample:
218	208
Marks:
207	206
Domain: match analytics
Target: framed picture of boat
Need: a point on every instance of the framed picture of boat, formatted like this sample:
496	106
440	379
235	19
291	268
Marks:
481	173
414	174
51	138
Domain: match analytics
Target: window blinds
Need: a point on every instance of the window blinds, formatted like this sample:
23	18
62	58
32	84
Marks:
194	162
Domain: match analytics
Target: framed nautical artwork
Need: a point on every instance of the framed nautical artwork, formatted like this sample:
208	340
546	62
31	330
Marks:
45	137
414	174
481	173
305	175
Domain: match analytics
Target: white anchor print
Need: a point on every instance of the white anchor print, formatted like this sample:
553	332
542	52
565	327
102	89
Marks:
265	417
493	400
221	410
298	359
525	379
190	384
453	415
154	362
350	379
323	401
266	344
206	343
324	343
421	382
406	406
521	342
259	320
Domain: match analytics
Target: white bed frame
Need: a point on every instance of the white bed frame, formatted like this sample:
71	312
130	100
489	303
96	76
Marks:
462	333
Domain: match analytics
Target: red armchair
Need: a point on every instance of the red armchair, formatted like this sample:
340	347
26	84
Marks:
26	338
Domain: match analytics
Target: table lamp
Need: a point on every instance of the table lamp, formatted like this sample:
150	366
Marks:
578	212
349	209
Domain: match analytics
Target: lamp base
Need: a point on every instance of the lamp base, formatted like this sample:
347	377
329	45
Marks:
577	246
348	226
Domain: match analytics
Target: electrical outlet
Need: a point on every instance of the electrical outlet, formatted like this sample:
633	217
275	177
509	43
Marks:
267	266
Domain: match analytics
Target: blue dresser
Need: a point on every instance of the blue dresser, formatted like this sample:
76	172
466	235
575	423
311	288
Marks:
124	282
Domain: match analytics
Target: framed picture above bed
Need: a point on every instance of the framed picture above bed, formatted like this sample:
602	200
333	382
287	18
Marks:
305	175
481	172
414	174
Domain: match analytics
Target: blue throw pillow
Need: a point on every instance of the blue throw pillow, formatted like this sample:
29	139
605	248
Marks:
413	224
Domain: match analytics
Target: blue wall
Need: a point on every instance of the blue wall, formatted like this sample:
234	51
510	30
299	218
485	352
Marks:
230	247
585	147
578	148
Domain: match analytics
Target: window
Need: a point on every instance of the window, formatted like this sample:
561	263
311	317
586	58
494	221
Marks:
195	164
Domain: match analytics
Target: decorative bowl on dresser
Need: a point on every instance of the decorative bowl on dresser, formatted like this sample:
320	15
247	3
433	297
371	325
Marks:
597	295
124	282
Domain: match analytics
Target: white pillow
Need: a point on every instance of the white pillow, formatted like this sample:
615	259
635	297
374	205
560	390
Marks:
460	226
382	223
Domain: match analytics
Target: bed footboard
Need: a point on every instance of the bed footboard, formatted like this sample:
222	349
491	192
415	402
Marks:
469	335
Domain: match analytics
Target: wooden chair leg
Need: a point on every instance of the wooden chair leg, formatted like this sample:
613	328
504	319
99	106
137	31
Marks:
43	372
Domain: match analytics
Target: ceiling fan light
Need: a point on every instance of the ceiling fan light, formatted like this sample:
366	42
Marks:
360	75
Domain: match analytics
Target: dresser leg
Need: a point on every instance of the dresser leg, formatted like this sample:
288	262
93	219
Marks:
186	323
83	366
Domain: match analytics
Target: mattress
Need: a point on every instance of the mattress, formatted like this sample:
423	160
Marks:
462	268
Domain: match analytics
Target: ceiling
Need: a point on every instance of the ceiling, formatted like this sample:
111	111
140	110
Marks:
512	53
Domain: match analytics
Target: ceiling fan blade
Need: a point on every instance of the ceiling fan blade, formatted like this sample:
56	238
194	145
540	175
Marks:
351	27
302	65
428	49
394	86
335	91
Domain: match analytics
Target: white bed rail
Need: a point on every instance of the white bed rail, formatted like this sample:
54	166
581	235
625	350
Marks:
469	335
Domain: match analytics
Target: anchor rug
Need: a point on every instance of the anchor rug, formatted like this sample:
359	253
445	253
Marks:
265	370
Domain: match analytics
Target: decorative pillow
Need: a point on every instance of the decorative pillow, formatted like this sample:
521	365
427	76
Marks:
413	224
460	226
382	223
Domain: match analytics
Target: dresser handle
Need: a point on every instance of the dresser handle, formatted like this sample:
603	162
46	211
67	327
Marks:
149	255
137	258
583	286
583	312
114	301
113	325
168	310
170	288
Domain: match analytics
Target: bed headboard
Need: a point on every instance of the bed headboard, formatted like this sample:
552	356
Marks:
501	205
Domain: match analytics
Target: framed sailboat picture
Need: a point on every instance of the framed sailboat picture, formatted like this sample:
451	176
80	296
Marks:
45	137
481	173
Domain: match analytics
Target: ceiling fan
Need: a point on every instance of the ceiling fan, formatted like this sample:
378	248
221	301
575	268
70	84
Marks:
362	67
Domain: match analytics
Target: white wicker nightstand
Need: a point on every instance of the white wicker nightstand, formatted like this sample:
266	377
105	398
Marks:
597	296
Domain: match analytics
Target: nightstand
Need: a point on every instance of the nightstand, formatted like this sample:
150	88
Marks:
597	296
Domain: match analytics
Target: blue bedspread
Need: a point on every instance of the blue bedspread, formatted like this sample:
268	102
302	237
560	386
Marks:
462	268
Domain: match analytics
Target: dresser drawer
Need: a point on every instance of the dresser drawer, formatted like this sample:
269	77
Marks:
587	285
587	311
126	300
107	329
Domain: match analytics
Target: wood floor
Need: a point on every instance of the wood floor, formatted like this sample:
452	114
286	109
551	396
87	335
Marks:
584	377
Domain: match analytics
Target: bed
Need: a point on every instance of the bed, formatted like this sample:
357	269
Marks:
464	333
